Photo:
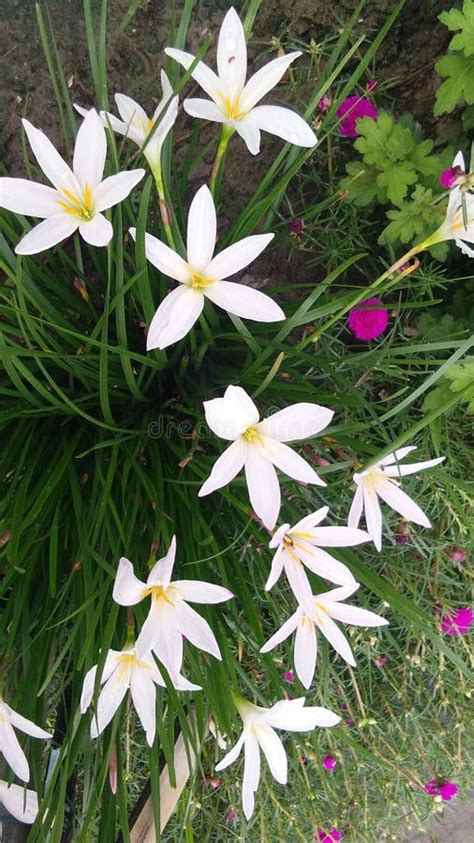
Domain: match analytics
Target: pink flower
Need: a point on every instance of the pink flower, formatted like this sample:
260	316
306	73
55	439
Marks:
447	790
296	225
329	762
366	322
328	836
371	86
457	623
381	661
449	177
288	676
457	554
231	815
324	103
350	111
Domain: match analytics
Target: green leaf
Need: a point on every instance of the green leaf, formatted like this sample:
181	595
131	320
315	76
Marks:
396	178
455	19
415	218
459	84
361	184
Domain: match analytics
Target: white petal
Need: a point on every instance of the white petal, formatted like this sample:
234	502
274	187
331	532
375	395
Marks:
26	726
203	74
183	684
232	54
231	756
397	455
116	188
143	693
21	804
202	229
197	630
338	537
89	679
97	232
291	716
276	569
290	462
412	468
263	486
225	468
402	503
250	135
265	79
458	161
313	716
307	524
354	615
274	752
164	258
110	700
340	593
197	591
324	565
282	122
160	632
90	151
335	637
281	634
355	511
128	589
27	197
237	256
305	651
48	233
162	570
244	302
251	774
109	121
298	581
204	109
130	111
373	516
231	415
300	421
166	86
49	159
12	751
175	317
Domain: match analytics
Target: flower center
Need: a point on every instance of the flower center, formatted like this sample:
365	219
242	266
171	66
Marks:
77	206
198	282
251	434
232	108
157	592
288	541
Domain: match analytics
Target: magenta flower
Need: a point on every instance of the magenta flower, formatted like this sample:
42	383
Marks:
368	320
328	836
288	676
324	103
457	623
350	111
457	554
371	86
329	762
447	790
296	225
450	177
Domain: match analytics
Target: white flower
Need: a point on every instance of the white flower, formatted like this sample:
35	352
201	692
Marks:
258	733
381	481
232	101
123	670
201	276
9	746
319	613
257	446
20	803
78	196
459	221
301	545
136	125
170	618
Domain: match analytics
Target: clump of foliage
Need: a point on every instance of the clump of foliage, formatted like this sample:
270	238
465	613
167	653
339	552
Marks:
457	67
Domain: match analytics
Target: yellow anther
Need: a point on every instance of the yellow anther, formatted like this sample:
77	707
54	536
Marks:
77	206
198	282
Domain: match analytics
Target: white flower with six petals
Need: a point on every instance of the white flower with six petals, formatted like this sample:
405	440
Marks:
79	195
9	746
233	101
258	446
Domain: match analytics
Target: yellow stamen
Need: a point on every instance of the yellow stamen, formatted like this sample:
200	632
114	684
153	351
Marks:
77	206
251	434
232	108
157	592
198	282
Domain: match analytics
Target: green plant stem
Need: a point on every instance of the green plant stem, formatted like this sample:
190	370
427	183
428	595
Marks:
226	134
164	210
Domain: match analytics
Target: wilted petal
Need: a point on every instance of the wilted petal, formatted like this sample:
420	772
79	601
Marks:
412	468
197	591
97	232
232	54
204	109
263	486
196	629
357	505
116	188
204	76
245	302
251	774
225	468
274	752
128	589
202	229
27	197
237	256
90	151
231	415
402	503
282	122
175	317
21	804
250	135
373	517
49	159
265	79
281	634
336	638
142	689
164	258
290	462
300	421
48	233
231	756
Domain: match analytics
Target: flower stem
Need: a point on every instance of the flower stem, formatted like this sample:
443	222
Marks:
226	134
164	210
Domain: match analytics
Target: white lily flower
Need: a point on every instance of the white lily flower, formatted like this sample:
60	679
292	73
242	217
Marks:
258	733
20	803
123	670
319	614
233	102
202	276
258	447
170	618
9	746
136	125
458	224
302	545
381	480
79	195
